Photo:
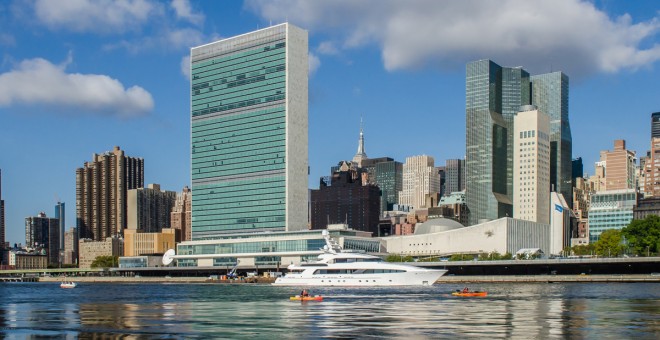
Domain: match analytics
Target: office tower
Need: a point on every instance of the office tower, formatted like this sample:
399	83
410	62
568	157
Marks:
531	162
389	178
387	174
249	133
577	169
455	176
420	179
60	216
42	232
442	174
651	166
71	246
2	217
493	96
347	200
619	167
487	181
182	214
655	125
101	192
148	209
550	95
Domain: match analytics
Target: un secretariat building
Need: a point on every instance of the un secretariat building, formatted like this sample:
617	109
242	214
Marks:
249	133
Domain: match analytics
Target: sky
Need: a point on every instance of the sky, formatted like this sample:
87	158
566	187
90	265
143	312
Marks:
78	77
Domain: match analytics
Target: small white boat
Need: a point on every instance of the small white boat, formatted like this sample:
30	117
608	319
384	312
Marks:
68	284
338	267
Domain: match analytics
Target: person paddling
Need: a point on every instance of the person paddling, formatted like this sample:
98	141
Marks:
304	293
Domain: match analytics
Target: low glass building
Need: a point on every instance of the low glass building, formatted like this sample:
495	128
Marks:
610	210
269	248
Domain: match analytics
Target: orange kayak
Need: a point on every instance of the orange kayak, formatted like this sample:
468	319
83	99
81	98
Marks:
306	298
477	293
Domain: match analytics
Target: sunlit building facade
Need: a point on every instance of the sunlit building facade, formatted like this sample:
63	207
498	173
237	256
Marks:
249	133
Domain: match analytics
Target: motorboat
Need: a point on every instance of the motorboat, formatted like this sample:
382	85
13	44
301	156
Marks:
306	298
339	267
469	293
68	284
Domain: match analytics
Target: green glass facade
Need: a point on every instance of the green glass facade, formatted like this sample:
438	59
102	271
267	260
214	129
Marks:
486	144
389	178
550	95
494	95
240	130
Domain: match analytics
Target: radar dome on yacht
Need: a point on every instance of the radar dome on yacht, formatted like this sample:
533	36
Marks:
437	225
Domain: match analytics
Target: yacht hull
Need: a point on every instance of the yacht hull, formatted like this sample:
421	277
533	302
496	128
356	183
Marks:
411	278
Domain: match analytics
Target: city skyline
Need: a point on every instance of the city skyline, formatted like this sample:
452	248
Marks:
54	63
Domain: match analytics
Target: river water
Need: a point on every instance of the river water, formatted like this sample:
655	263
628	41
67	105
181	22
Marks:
182	311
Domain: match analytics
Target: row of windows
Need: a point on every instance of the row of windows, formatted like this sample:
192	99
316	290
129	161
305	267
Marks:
356	271
203	65
236	123
211	172
271	144
272	86
244	103
252	247
237	69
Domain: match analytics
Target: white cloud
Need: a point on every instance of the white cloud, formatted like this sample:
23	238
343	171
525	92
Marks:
571	35
171	39
327	47
185	12
314	63
185	67
38	82
105	16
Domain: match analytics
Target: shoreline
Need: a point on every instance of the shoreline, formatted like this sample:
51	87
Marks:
627	278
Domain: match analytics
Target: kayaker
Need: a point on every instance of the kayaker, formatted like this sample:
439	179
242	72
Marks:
304	293
465	290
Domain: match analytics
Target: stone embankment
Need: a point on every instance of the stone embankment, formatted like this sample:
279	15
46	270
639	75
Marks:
154	279
551	278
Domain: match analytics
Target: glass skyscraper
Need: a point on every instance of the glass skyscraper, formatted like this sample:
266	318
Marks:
249	133
550	95
493	96
655	125
486	188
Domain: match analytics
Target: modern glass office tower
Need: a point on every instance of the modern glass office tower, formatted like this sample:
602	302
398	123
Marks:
494	94
249	133
487	188
550	95
60	216
655	125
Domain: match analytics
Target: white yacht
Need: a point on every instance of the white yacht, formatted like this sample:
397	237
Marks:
337	267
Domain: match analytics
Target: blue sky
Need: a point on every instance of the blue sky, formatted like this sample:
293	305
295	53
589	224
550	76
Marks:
79	77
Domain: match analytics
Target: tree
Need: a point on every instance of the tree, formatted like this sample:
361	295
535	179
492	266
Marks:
609	243
507	256
398	258
643	236
583	249
105	261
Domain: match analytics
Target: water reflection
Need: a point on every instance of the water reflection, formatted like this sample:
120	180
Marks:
544	311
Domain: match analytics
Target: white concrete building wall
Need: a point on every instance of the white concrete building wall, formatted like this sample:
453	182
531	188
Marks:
502	235
296	128
531	165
